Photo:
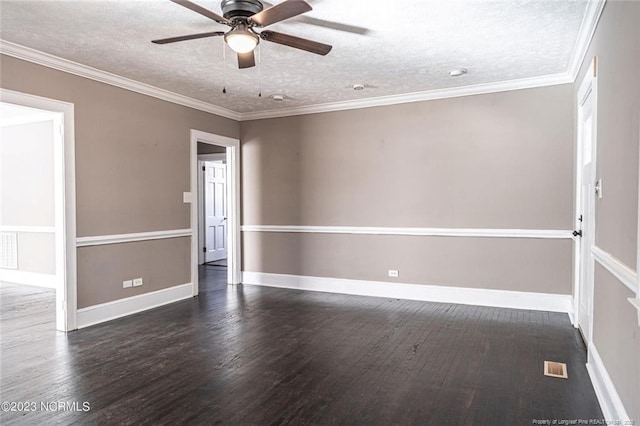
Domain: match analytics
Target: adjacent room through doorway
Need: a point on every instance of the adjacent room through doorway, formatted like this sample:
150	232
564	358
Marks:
212	213
31	254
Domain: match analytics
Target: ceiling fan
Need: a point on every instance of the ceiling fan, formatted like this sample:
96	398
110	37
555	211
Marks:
244	16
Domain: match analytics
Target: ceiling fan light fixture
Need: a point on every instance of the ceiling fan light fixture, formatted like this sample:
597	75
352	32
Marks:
241	40
245	15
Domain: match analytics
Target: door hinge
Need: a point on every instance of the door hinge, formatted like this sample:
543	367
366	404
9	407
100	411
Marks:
204	168
204	249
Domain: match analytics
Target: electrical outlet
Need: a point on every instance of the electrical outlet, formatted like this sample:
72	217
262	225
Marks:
137	282
186	197
394	273
127	284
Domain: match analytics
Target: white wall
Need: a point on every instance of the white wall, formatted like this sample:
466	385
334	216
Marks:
27	202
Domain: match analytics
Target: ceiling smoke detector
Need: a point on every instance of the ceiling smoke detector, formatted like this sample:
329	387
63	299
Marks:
358	87
277	98
458	72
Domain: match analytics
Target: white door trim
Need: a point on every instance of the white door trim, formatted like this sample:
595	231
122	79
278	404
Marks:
233	199
588	86
636	302
200	209
65	187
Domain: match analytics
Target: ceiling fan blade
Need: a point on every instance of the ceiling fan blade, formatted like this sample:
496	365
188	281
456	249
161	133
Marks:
297	42
281	11
246	60
187	37
202	11
334	25
327	24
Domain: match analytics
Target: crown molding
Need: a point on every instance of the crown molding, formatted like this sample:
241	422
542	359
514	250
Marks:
585	35
51	61
428	95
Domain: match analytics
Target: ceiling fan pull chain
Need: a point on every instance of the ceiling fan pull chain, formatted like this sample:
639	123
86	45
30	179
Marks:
259	71
224	70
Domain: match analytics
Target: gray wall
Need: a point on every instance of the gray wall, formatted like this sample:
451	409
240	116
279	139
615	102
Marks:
616	333
205	148
132	166
27	191
501	160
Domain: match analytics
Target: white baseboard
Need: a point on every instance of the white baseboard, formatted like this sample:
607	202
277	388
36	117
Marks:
97	314
431	293
28	278
610	402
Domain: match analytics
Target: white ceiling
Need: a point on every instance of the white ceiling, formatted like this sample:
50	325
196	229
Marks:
411	46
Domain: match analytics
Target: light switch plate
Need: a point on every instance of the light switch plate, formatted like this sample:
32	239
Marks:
186	197
137	282
127	284
599	188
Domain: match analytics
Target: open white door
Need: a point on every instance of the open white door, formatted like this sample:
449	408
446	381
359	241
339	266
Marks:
588	188
215	211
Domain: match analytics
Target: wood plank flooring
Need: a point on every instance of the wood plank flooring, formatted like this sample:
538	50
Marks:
250	355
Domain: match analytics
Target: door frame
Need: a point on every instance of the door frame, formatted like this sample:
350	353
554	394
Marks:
234	272
65	194
636	302
589	85
201	231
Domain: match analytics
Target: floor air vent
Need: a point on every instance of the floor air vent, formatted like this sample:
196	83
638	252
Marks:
555	369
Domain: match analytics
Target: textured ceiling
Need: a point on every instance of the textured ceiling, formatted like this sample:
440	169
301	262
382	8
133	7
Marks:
411	46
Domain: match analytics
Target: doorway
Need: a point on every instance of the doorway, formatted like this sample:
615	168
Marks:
587	189
212	198
38	220
215	212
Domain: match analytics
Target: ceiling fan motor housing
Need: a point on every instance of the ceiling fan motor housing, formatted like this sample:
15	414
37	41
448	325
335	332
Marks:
240	8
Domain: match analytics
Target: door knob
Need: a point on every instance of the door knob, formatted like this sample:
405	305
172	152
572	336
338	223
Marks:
577	233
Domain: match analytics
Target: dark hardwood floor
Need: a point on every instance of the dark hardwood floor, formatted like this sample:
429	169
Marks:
252	355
